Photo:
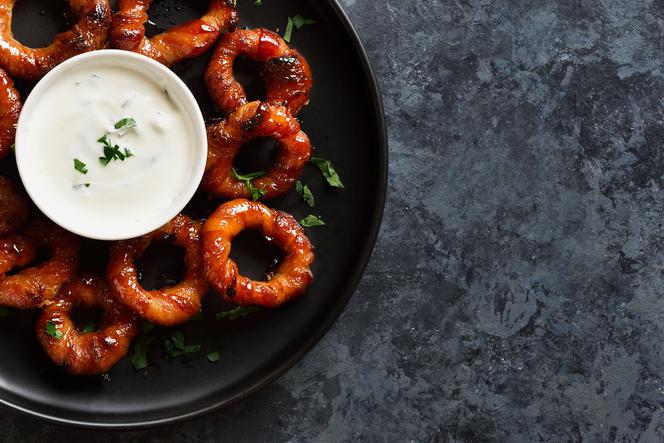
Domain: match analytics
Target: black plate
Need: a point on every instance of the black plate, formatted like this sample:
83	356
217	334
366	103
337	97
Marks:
345	122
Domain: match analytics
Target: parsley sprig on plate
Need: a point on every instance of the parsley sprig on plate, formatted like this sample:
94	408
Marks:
240	311
296	23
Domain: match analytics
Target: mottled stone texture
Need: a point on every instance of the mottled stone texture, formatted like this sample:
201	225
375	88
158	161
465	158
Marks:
515	293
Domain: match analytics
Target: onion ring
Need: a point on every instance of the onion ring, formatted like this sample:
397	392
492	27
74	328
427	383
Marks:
255	119
188	40
14	209
88	34
292	276
10	109
93	352
286	73
166	306
36	285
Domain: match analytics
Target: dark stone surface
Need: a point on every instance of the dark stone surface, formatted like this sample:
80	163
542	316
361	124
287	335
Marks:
515	291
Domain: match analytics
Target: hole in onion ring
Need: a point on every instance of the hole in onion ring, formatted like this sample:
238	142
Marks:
255	155
85	317
161	266
256	257
165	14
48	16
247	73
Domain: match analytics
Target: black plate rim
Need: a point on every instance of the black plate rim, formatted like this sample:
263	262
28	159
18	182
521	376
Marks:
317	335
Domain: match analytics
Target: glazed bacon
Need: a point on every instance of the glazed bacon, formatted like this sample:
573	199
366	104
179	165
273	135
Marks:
34	286
250	121
286	73
93	352
185	41
166	306
89	33
293	274
14	209
10	109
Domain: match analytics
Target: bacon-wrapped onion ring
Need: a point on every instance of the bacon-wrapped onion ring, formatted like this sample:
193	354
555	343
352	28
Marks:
188	40
166	306
88	34
14	209
255	119
93	352
35	285
292	276
10	109
286	73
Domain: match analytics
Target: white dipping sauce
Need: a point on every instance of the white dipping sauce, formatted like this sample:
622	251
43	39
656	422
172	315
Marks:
122	196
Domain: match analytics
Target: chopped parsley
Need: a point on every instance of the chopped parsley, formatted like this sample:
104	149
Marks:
80	166
312	220
125	123
240	311
139	358
112	152
175	347
327	169
89	328
213	354
254	191
247	178
52	330
258	3
305	193
298	21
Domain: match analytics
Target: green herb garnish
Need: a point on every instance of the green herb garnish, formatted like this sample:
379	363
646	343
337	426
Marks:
80	166
327	169
305	193
89	328
213	354
176	347
240	311
125	123
139	358
298	21
247	178
312	220
258	3
254	191
52	330
111	151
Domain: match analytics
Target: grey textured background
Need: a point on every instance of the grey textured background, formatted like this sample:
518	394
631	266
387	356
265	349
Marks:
515	291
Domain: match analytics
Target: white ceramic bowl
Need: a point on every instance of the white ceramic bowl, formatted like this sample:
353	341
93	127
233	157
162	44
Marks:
177	91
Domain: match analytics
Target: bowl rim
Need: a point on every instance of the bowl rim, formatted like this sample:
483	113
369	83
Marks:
187	102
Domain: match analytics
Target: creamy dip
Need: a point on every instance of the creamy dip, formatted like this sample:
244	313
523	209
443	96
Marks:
139	168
